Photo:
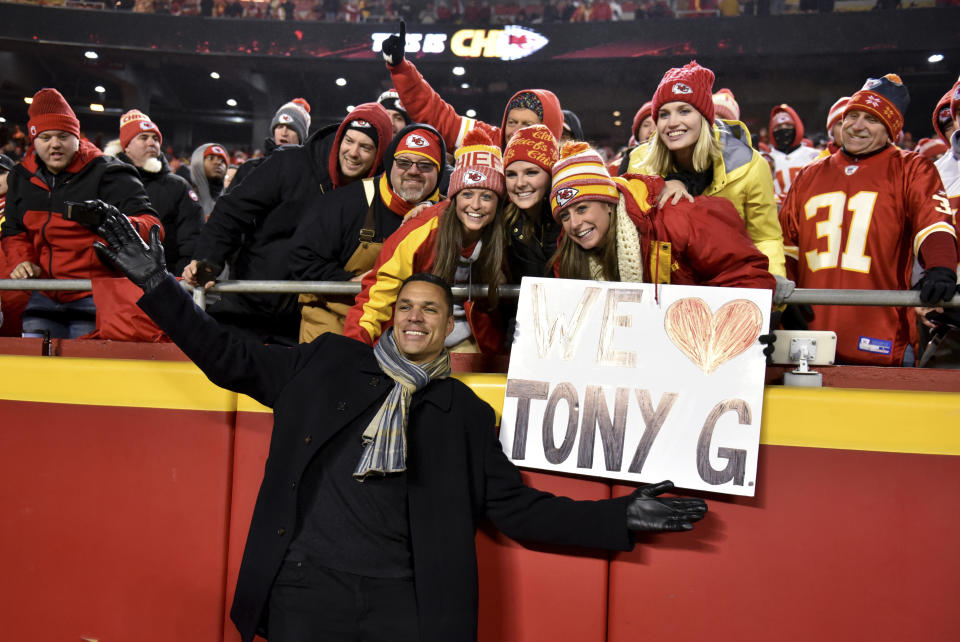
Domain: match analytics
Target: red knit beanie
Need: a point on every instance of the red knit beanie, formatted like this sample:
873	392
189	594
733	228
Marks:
642	114
479	165
49	110
690	84
886	98
534	144
135	122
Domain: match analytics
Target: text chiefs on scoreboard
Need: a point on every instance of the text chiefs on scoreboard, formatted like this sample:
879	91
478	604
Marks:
510	43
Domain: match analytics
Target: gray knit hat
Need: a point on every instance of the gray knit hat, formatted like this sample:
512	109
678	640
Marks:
295	115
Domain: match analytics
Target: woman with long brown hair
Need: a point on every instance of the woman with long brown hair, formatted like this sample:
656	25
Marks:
461	240
532	233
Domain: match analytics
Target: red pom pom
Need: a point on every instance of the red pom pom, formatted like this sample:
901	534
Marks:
476	136
302	102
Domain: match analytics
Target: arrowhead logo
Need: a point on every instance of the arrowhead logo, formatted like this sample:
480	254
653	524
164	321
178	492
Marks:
473	177
520	42
416	141
849	170
360	123
565	195
680	88
285	118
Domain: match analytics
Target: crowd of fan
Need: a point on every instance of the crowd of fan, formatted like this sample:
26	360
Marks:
406	185
476	12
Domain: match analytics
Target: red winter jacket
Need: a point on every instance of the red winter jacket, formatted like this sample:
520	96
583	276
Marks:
34	228
699	243
424	105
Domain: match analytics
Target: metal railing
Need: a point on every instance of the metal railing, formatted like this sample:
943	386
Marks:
898	298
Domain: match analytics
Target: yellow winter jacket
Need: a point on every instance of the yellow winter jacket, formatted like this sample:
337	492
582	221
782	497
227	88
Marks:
744	178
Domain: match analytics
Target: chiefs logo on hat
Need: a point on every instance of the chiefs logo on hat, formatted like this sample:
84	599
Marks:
145	125
33	130
680	88
416	140
473	177
360	123
216	149
285	118
564	195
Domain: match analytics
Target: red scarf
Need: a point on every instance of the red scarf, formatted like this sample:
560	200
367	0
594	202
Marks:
396	203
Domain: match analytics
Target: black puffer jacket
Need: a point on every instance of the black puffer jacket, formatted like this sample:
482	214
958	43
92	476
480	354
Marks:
177	207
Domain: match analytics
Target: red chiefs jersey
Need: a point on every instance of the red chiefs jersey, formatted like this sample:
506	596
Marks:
857	224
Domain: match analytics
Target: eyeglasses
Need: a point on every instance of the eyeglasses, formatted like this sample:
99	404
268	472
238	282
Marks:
422	166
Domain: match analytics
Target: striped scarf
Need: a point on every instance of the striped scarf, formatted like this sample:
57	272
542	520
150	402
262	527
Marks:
385	439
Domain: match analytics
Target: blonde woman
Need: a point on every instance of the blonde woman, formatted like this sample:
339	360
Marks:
700	155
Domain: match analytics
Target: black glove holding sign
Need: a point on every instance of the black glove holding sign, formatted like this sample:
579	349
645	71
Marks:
938	284
394	46
647	512
141	263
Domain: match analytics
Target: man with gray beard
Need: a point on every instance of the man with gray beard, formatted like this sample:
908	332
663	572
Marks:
340	237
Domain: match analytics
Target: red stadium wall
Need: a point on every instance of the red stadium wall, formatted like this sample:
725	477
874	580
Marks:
127	487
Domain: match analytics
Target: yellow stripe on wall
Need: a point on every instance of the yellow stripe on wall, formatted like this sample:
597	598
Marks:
112	382
903	421
846	419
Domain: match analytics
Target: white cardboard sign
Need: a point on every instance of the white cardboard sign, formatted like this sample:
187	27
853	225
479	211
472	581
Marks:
637	382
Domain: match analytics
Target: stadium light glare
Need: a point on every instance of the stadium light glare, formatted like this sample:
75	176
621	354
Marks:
341	82
215	75
937	57
459	71
231	102
96	107
471	113
91	55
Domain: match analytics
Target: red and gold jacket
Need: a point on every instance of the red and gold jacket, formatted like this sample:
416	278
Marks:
34	228
409	250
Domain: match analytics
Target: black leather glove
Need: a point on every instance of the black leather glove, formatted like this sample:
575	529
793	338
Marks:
768	340
394	46
797	317
938	284
646	512
127	253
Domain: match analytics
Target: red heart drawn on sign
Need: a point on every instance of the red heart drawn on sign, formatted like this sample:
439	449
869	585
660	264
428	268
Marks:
709	340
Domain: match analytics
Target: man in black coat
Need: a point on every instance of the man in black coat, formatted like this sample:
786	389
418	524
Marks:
342	233
253	224
174	199
380	468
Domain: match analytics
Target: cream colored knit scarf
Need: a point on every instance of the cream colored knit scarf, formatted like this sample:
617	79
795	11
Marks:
628	250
